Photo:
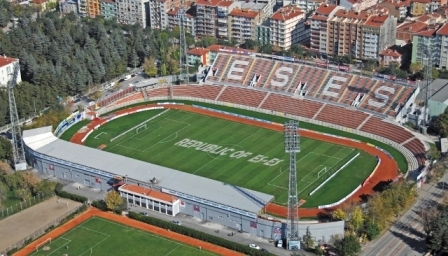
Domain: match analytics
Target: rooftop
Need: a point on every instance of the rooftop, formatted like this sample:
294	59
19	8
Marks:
376	21
391	53
352	14
440	91
222	3
148	192
395	3
287	12
253	5
222	48
6	60
443	31
429	18
198	51
246	13
429	32
422	1
412	27
325	9
208	191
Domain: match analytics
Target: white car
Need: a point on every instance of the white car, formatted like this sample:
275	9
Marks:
254	246
127	77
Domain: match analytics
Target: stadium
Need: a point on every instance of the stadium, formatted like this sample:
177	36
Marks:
343	101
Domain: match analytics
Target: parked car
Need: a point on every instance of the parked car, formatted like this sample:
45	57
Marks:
280	243
254	246
127	77
176	222
144	213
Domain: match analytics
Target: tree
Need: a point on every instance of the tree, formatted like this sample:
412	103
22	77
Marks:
428	216
441	124
46	187
348	246
357	218
415	67
372	230
339	214
113	200
22	194
308	239
3	193
150	67
434	153
437	239
30	180
96	95
5	149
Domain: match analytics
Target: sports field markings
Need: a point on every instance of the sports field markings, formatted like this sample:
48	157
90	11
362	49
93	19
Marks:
238	144
101	133
173	250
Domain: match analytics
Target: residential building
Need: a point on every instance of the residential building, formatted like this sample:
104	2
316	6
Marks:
263	33
212	17
357	5
388	56
320	27
407	30
436	4
419	7
7	69
198	54
82	8
265	7
108	9
133	11
243	24
288	27
173	20
68	6
379	32
307	5
93	8
426	40
442	35
396	8
158	12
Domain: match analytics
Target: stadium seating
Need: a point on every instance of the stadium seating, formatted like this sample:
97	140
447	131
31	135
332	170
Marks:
134	96
247	97
387	130
203	92
286	104
219	67
158	92
418	149
341	116
246	69
339	92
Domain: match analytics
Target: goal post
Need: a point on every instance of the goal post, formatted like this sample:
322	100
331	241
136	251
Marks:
48	240
322	172
140	128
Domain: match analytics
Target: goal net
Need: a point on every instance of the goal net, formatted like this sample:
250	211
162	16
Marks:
322	172
140	128
43	244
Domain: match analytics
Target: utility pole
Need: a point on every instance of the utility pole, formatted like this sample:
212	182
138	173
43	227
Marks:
183	59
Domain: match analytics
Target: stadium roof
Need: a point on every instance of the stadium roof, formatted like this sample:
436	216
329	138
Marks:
44	142
440	86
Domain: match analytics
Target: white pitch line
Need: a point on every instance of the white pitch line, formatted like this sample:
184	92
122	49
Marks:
173	250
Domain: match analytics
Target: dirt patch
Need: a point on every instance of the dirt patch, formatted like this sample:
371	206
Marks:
129	222
387	170
102	146
36	218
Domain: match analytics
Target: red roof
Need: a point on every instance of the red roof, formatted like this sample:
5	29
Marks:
391	53
222	3
217	48
412	27
395	3
198	51
443	31
287	12
376	21
149	192
173	11
429	32
244	13
325	9
318	17
352	14
6	61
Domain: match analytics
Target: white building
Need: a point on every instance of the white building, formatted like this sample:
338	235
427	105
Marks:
357	5
288	27
7	69
132	11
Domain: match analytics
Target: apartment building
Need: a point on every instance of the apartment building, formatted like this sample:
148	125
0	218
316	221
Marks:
264	6
362	35
243	24
108	9
173	20
7	69
288	27
68	6
427	40
442	35
133	11
319	27
212	17
263	33
158	9
357	5
419	7
82	8
93	8
396	8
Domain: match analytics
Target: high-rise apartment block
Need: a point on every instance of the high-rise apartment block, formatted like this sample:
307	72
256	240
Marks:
432	41
132	12
243	24
212	17
158	10
93	8
362	35
173	19
288	27
108	9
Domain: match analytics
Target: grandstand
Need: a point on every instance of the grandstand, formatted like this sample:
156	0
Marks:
377	97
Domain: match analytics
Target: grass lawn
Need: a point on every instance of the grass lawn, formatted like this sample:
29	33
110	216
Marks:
98	236
242	155
68	134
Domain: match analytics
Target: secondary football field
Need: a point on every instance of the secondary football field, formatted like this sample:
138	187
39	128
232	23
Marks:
235	153
98	236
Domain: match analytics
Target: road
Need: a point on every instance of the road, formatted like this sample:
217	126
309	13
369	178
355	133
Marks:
406	237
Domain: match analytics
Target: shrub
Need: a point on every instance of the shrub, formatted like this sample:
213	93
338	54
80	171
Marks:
70	196
100	205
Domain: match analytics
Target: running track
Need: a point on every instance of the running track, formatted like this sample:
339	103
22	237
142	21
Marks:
387	170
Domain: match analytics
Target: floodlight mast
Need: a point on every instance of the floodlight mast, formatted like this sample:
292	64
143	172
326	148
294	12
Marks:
183	76
292	146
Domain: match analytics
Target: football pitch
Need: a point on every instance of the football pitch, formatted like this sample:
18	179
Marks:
98	236
235	153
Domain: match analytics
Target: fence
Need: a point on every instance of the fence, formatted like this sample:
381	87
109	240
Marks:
39	232
23	205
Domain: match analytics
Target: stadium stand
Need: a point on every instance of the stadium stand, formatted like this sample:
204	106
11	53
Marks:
341	116
158	92
134	96
418	149
331	94
243	63
286	104
203	92
387	130
242	96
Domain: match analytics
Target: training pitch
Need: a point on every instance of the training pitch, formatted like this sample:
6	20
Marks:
98	236
235	153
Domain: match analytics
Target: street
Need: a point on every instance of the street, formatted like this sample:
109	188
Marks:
406	236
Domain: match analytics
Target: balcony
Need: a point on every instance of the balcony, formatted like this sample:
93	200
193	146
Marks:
222	20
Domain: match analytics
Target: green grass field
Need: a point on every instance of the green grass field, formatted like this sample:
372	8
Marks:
243	155
98	236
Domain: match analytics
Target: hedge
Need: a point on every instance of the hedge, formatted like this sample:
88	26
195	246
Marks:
70	196
197	234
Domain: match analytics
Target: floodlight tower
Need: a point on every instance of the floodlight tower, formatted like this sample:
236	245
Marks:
427	62
183	67
17	145
292	146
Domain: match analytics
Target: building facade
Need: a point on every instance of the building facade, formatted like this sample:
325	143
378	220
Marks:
133	11
419	7
173	20
243	24
427	40
158	12
108	9
93	8
68	6
442	36
320	27
263	33
82	8
7	69
389	56
357	5
212	17
288	27
396	8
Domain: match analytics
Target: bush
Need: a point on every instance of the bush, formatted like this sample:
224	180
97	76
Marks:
100	205
70	196
197	234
